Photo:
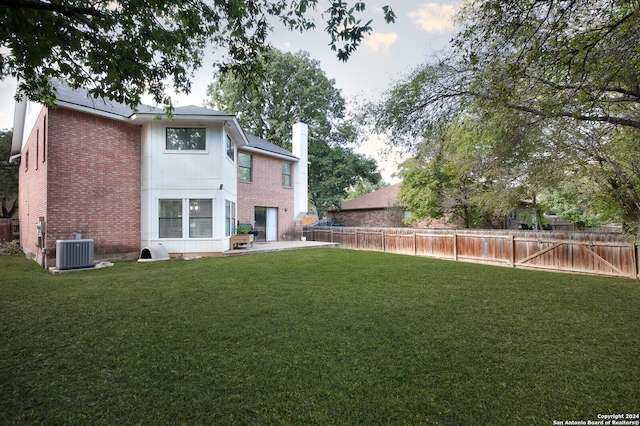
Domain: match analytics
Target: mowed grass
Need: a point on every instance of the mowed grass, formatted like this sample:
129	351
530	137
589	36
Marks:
322	336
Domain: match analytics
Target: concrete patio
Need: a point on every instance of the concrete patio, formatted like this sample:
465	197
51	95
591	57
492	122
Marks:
264	247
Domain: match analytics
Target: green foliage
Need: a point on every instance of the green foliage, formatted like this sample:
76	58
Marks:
243	229
293	88
121	50
10	248
8	176
550	91
362	188
553	59
314	337
571	200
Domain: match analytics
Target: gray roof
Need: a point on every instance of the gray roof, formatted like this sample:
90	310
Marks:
379	199
261	144
81	97
196	110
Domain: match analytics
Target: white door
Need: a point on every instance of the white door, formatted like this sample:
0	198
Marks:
272	224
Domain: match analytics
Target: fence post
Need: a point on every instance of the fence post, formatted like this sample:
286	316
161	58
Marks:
384	249
513	251
634	260
455	247
415	243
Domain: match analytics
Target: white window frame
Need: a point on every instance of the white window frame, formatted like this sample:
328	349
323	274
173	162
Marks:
186	151
187	219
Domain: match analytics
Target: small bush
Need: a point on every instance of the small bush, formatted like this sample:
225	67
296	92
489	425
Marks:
7	249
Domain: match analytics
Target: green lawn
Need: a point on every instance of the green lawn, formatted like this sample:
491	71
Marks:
318	336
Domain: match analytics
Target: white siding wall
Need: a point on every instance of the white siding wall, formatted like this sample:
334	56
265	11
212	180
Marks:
32	111
186	175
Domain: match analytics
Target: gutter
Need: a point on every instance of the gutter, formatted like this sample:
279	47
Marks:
254	150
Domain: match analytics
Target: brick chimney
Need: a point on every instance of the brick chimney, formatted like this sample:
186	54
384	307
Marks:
300	149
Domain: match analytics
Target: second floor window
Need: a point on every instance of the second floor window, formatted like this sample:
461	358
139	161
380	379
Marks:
286	174
231	149
245	167
186	139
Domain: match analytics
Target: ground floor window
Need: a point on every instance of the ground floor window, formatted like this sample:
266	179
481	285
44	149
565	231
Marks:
230	218
170	219
173	214
200	218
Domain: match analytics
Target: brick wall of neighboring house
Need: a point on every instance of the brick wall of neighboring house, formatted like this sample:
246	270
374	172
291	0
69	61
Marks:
382	218
32	184
93	182
370	218
266	190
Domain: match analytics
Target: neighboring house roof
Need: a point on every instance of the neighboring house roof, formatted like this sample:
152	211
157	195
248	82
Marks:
379	199
256	143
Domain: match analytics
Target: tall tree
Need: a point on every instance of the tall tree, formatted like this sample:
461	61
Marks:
362	188
577	59
568	68
8	176
121	50
294	88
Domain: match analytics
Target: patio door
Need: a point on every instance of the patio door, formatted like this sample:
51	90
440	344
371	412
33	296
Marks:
266	220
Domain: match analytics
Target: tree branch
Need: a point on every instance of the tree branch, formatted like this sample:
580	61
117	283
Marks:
53	7
77	13
582	117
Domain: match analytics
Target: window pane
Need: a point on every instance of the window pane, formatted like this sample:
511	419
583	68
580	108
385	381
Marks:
231	149
170	219
230	218
286	174
244	160
186	139
244	174
176	138
197	139
200	218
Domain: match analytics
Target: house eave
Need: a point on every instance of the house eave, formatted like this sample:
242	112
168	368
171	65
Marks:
269	153
19	115
230	123
92	111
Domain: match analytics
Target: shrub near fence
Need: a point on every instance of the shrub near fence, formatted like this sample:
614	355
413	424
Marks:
577	252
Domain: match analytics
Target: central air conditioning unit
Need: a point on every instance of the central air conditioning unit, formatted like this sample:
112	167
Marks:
74	254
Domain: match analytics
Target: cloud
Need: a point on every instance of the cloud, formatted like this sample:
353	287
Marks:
433	17
285	47
377	41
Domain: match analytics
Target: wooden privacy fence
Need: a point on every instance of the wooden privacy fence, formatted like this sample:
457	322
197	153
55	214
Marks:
9	230
576	252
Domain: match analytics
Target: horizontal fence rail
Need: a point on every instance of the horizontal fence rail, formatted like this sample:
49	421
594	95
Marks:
593	253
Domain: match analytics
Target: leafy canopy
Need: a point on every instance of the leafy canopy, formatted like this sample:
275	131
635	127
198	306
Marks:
552	88
293	88
124	49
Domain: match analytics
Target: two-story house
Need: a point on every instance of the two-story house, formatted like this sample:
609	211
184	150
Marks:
96	169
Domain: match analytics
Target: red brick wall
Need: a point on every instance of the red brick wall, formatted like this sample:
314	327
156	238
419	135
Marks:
266	190
366	218
93	184
32	183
